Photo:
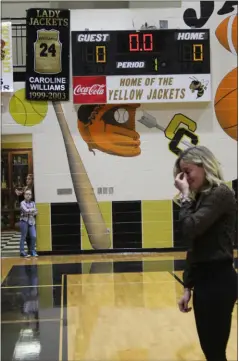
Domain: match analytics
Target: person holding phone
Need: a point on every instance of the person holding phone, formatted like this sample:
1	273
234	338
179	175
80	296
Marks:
207	216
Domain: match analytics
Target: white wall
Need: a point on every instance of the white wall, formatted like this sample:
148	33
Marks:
18	9
116	4
148	176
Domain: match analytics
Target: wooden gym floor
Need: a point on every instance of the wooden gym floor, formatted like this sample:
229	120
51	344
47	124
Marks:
98	308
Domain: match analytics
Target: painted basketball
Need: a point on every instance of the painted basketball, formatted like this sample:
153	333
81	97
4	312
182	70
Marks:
226	33
225	104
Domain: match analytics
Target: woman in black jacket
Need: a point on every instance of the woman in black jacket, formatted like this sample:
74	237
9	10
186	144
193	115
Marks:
207	216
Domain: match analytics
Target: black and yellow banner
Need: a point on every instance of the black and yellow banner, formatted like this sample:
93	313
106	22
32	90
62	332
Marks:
48	48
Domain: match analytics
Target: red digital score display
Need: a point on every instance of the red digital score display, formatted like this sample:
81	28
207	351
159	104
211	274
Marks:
141	52
140	42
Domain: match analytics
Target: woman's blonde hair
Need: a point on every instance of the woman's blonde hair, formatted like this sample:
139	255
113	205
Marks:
202	157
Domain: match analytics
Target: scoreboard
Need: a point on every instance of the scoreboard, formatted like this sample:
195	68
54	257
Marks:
146	66
146	52
114	67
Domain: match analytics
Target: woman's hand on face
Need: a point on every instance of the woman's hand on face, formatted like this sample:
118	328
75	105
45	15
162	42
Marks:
181	183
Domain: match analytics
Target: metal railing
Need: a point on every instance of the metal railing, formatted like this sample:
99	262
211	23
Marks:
18	42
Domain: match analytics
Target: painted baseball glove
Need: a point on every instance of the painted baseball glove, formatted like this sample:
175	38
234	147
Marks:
110	128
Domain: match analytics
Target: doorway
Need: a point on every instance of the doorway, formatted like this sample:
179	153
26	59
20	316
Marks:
16	164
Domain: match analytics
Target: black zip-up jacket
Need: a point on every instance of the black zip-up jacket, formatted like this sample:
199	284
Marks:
208	225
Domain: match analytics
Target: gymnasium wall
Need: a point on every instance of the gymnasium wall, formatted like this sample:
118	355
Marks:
127	192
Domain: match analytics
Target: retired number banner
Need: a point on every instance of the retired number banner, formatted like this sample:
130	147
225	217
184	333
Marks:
6	58
48	48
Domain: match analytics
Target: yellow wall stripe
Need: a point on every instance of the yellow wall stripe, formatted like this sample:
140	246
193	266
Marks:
157	224
23	145
16	141
43	226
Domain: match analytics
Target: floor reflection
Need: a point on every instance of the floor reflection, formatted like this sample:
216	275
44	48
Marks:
102	309
33	340
25	335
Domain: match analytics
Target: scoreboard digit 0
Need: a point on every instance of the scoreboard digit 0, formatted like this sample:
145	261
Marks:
163	52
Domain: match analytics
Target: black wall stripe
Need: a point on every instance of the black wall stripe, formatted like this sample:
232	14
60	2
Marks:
127	224
65	226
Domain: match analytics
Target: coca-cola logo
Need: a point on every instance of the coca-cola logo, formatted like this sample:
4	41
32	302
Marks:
95	89
89	90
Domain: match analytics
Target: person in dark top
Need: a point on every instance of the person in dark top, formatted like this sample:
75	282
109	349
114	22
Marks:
207	216
20	194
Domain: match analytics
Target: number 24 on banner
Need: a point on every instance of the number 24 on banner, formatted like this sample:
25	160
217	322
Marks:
48	49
